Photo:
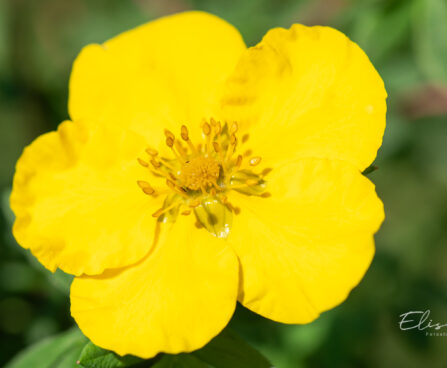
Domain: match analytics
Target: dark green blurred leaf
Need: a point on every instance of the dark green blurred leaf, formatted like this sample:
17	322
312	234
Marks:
381	32
225	351
430	26
59	351
93	356
180	361
228	350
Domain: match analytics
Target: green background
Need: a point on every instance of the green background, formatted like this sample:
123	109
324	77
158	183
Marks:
406	41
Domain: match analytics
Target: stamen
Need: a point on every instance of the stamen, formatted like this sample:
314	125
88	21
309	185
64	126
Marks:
233	140
170	142
181	150
185	136
218	128
155	164
238	162
184	133
146	187
152	152
245	137
169	134
234	128
162	210
195	203
266	171
206	129
166	163
142	163
176	188
186	213
232	147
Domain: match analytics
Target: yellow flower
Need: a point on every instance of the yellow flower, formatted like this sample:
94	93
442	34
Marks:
196	172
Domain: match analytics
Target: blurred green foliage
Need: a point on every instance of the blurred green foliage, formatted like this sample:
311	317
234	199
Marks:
407	42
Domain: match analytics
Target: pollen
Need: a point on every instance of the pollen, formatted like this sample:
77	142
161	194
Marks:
200	172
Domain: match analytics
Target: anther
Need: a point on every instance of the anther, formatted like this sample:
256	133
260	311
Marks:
195	203
171	184
218	128
170	142
169	134
238	161
158	213
184	133
146	187
216	146
233	140
142	163
148	191
254	161
266	195
245	137
206	129
155	164
152	152
266	171
186	213
234	128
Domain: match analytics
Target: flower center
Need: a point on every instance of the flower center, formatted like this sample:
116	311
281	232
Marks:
199	177
200	172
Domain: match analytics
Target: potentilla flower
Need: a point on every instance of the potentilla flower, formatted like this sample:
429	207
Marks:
196	172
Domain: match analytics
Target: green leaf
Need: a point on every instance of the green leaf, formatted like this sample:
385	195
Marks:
60	351
228	350
430	25
93	356
225	351
180	361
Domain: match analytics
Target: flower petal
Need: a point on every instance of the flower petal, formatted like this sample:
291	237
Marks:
304	248
163	74
175	300
313	90
77	204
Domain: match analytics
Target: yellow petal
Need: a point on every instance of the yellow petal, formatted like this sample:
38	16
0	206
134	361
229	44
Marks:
304	248
162	74
175	300
77	203
313	90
